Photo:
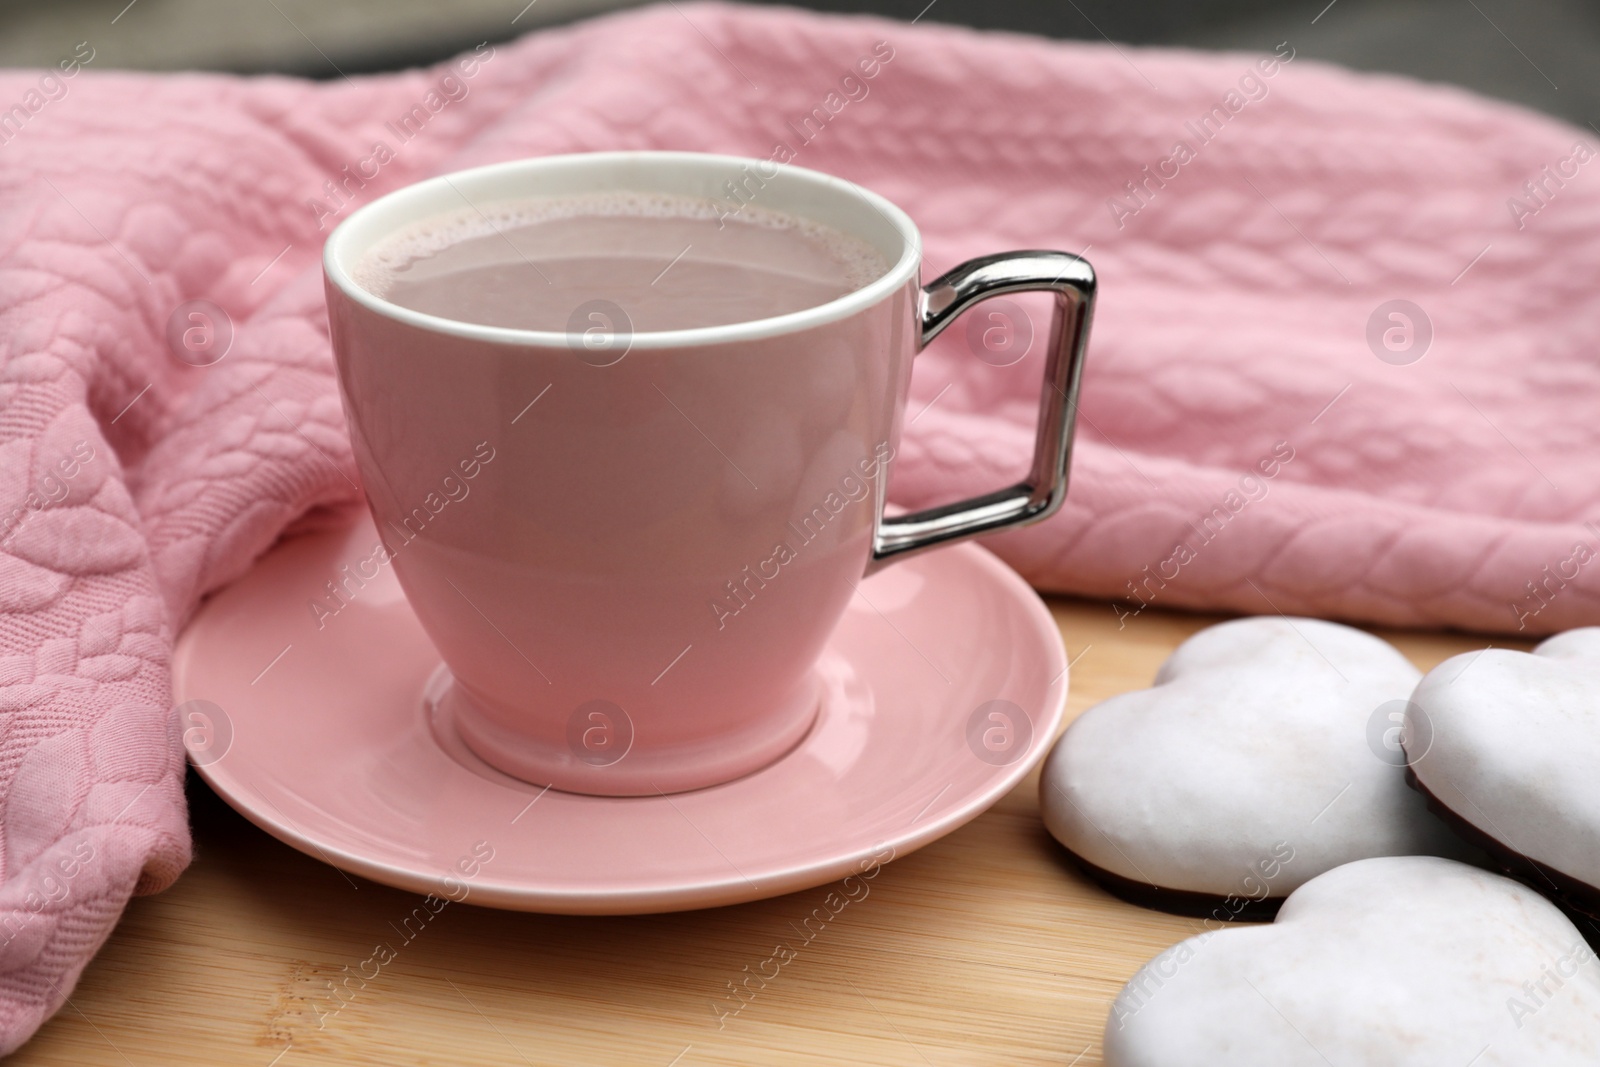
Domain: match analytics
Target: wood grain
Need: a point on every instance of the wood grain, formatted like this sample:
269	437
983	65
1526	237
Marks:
983	948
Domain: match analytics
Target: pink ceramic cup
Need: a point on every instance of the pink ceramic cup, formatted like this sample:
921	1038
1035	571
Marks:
630	549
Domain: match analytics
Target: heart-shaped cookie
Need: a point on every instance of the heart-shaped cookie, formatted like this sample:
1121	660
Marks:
1399	961
1255	763
1506	745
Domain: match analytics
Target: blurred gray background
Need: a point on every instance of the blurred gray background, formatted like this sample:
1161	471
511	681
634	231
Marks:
1541	53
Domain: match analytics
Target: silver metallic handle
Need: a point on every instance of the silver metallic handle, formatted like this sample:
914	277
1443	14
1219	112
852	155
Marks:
1041	495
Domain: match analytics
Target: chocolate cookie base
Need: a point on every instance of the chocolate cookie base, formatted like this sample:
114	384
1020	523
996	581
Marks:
1579	899
1177	901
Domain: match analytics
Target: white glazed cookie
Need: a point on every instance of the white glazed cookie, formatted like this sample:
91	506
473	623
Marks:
1402	961
1255	763
1509	744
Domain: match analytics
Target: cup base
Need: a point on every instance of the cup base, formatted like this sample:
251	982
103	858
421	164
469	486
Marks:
618	769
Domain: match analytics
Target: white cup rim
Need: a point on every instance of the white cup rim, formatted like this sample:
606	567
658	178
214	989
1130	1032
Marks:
383	216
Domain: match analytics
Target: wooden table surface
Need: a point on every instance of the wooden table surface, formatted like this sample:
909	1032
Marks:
983	948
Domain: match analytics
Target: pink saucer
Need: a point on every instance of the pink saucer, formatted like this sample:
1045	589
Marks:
944	685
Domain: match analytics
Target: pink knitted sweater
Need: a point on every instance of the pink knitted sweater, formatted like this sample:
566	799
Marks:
1257	431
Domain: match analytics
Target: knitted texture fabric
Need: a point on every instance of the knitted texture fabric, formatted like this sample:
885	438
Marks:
1257	431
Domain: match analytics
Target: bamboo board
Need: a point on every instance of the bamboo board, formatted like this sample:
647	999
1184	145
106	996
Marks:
983	948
